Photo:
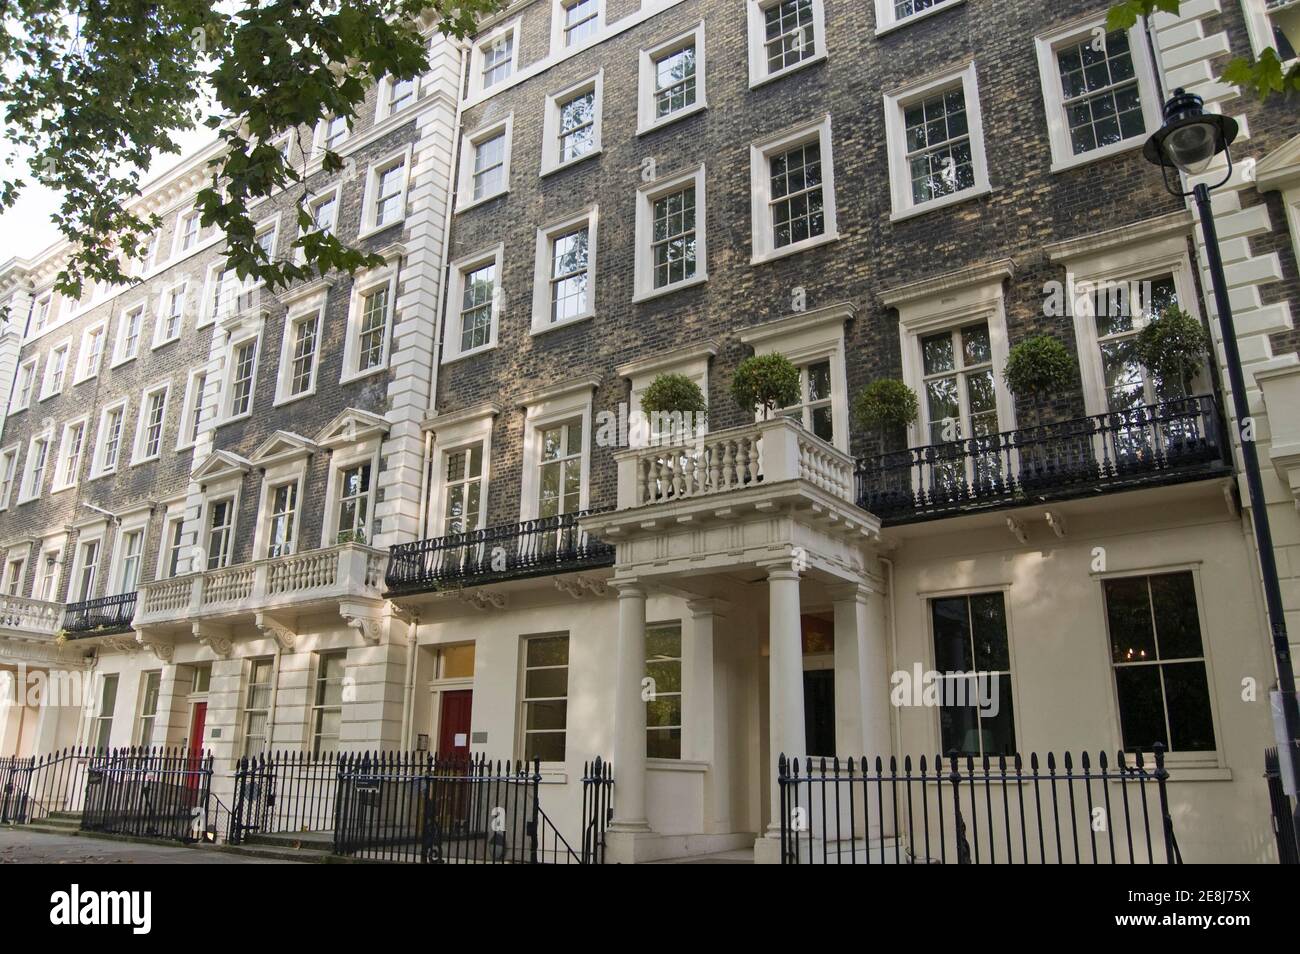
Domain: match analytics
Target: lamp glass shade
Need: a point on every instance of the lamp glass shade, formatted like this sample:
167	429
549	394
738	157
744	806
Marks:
1192	147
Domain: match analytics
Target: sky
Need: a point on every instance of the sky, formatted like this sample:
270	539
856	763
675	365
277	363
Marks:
26	229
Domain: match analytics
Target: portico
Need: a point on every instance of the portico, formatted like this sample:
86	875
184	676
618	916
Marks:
706	521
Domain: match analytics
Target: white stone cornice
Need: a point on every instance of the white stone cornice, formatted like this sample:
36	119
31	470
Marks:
834	314
668	359
960	278
1146	231
563	389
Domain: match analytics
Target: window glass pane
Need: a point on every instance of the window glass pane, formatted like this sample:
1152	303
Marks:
952	645
1188	696
1141	706
1128	615
1178	625
936	351
548	651
989	632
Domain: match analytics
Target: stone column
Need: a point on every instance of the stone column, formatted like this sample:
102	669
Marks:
786	733
629	727
861	680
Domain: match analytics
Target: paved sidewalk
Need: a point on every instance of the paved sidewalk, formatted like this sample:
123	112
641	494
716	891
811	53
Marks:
31	847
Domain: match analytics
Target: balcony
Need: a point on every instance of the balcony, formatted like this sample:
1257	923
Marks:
1155	444
105	616
508	552
347	572
28	618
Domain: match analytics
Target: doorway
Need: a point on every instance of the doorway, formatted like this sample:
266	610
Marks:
453	724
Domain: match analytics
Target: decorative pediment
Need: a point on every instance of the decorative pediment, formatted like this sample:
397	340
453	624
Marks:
1280	169
221	464
351	426
282	447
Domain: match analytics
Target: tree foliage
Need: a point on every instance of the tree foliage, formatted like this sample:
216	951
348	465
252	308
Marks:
1039	365
886	403
1173	346
93	88
673	394
1264	76
765	382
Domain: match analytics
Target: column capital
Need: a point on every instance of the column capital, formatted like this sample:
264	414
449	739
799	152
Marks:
708	607
780	570
851	592
629	589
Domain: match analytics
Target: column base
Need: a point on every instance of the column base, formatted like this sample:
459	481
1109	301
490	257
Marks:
767	849
629	843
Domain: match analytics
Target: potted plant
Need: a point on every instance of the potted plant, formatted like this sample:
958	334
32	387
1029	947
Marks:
886	406
1173	347
678	399
1039	366
764	383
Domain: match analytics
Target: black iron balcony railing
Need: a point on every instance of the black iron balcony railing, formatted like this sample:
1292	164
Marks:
101	617
511	551
1171	442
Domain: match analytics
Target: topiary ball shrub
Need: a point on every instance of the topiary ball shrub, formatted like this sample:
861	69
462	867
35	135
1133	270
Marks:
1039	365
765	382
1173	346
885	405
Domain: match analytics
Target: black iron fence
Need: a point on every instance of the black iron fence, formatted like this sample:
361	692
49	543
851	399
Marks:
33	788
531	548
149	792
278	792
1157	443
103	616
597	809
962	810
416	807
1288	849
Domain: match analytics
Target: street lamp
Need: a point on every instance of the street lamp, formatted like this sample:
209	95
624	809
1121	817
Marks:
1188	142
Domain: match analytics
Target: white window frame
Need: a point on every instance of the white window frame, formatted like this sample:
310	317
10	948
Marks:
173	516
48	388
470	143
30	489
896	104
558	45
193	402
760	154
1150	255
66	477
85	373
369	225
1058	128
758	72
366	453
551	161
312	312
117	574
8	474
138	455
1260	29
946	303
290	472
85	538
53	545
649	59
384	108
364	284
691	361
462	434
42	305
460	270
887	19
643	262
564	403
182	218
321	132
227	490
143	737
542	272
120	355
521	717
331	193
15	581
808	338
24	381
97	465
228	378
160	319
208	307
478	54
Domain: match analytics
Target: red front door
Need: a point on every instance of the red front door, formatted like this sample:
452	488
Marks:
197	722
453	724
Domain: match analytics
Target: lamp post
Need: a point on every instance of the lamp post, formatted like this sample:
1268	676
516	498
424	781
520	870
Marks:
1188	142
